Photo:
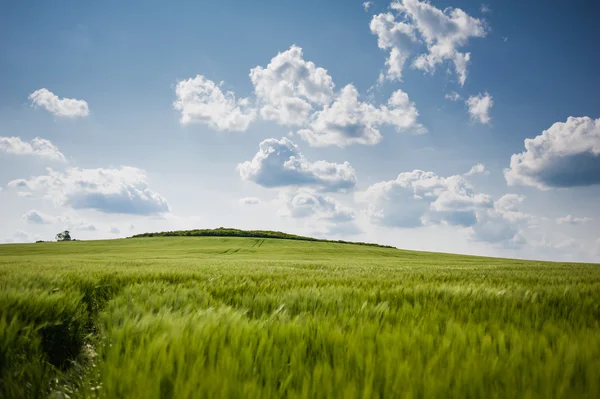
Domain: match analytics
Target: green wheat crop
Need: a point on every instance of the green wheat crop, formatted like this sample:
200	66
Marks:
231	317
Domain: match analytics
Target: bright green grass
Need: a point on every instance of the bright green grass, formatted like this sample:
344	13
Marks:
259	318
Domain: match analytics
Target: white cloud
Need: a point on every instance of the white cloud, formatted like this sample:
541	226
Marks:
250	201
295	92
367	5
479	107
114	230
122	190
565	155
67	107
477	169
36	217
349	121
418	198
397	37
18	183
21	236
86	227
25	194
68	222
570	219
289	87
503	224
443	32
485	8
323	212
301	204
39	147
453	96
279	163
200	100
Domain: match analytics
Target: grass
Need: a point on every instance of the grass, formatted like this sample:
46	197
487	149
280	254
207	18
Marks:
257	318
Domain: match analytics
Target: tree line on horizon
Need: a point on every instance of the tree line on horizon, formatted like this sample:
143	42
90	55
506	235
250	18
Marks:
230	232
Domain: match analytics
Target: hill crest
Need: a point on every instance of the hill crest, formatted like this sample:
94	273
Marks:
231	232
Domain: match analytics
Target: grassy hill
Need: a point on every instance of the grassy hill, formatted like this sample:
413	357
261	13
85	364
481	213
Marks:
249	317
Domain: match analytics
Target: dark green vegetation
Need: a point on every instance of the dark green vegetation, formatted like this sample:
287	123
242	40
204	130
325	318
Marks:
228	232
257	318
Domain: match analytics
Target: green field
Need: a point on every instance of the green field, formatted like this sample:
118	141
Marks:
258	318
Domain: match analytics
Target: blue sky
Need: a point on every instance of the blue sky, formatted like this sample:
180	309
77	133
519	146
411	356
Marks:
165	127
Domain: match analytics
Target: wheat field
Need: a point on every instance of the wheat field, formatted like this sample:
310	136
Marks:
203	317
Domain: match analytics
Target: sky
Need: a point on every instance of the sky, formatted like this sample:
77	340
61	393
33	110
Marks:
450	126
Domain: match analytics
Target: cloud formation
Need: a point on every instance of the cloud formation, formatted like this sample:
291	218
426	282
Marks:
303	203
320	210
122	190
479	107
37	147
349	121
21	236
397	37
570	219
200	100
36	217
453	96
294	92
67	107
443	32
289	88
418	198
565	155
250	201
477	169
279	163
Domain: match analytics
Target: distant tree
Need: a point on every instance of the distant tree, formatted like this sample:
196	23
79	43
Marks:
64	236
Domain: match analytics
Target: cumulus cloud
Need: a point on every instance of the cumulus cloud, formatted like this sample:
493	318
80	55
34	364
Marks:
504	223
36	217
314	207
453	96
367	5
477	169
570	219
250	201
279	163
294	92
349	121
38	147
565	155
485	8
479	107
122	190
395	36
289	87
201	100
21	236
419	198
85	227
68	222
443	32
302	204
67	107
